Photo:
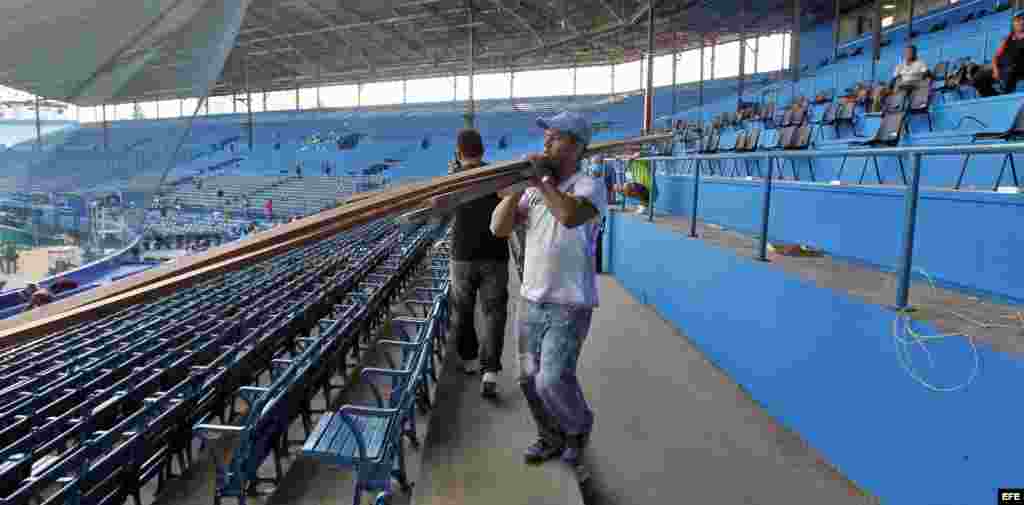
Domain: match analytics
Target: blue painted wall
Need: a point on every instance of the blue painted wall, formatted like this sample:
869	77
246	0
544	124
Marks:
965	239
825	365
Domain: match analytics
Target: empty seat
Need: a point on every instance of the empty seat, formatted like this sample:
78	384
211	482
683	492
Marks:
888	134
1014	134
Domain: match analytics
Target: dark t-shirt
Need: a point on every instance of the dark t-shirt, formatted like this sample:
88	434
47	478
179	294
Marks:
472	239
1013	53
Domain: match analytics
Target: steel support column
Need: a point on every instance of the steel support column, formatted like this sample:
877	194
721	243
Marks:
700	83
39	128
648	125
835	29
470	105
248	103
675	63
106	129
876	39
743	67
909	224
910	19
794	45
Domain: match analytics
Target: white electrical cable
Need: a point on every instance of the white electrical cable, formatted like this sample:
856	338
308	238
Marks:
905	322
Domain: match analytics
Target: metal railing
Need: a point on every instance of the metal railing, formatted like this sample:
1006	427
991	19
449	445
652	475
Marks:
912	193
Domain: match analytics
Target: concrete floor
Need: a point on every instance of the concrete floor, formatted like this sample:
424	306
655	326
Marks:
672	428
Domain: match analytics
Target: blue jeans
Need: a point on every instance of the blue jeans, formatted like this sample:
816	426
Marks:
550	337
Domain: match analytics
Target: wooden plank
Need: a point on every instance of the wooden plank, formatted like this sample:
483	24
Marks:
190	270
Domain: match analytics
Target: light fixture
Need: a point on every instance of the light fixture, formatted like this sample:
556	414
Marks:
889	6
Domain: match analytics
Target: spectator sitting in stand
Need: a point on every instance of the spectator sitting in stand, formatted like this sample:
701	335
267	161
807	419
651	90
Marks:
912	71
63	284
1007	64
36	296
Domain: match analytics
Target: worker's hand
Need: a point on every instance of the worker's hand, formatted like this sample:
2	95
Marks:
541	169
995	73
512	191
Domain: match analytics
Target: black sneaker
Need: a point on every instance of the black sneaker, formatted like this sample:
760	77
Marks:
541	451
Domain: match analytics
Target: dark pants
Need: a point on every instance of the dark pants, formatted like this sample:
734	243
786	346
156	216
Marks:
488	282
985	81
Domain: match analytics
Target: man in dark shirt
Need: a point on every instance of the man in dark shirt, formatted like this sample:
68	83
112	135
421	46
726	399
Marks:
1008	64
479	270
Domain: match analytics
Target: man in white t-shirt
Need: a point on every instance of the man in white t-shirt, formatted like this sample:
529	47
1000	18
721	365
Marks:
561	214
912	70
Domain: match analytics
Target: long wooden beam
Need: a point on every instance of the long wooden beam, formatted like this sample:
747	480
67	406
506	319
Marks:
442	191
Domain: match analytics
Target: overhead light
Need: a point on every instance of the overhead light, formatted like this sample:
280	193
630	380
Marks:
889	6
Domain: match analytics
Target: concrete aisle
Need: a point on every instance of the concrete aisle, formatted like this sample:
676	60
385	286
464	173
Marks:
473	452
672	428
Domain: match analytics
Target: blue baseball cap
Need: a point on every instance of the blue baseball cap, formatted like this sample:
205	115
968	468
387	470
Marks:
573	123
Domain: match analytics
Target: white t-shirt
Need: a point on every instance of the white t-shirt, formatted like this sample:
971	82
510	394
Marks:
911	72
561	263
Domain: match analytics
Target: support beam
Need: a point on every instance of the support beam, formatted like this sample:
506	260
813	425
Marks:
612	10
836	26
502	5
700	84
743	62
470	103
675	88
876	39
39	128
389	33
794	45
648	125
910	19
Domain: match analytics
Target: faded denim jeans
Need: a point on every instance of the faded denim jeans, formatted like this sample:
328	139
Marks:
486	281
550	337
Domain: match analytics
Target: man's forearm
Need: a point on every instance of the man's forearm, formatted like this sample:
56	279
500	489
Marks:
503	219
567	209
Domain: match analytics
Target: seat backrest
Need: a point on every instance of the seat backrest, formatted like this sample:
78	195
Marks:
800	114
801	138
787	117
895	101
828	115
846	111
739	141
785	137
921	96
891	129
878	93
753	139
716	141
1017	127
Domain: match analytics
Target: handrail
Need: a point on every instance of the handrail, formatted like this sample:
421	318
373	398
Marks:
911	194
972	149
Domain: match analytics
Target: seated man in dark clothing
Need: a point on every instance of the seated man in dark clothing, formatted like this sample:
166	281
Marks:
1007	64
63	284
479	270
36	296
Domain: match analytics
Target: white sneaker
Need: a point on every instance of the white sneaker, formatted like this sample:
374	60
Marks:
470	366
489	385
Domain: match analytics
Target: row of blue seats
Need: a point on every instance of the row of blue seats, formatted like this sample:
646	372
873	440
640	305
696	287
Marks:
77	385
368	439
268	411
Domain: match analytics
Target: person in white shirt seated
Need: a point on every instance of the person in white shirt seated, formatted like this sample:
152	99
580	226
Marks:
912	70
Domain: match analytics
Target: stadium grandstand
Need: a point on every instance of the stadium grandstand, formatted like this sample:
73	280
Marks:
233	261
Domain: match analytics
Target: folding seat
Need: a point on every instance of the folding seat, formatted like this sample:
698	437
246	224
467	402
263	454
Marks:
800	141
889	134
1014	134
